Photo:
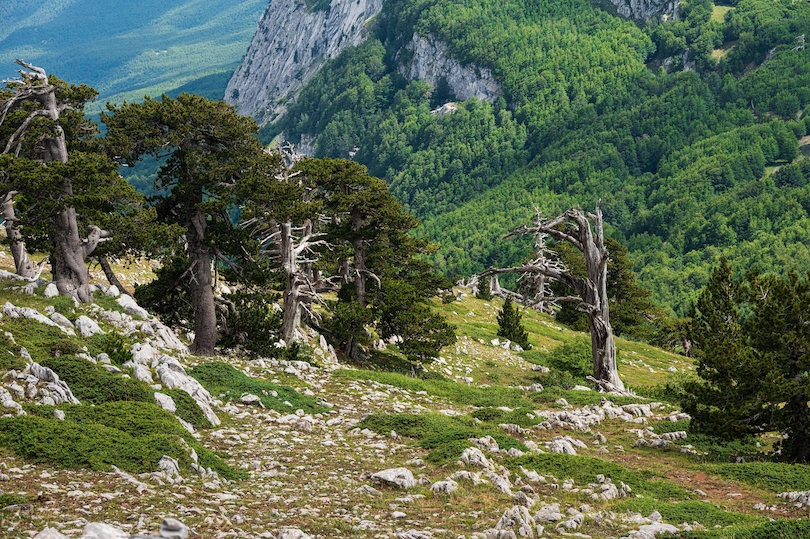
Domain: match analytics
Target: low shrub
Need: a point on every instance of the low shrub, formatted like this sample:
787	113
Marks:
187	408
133	436
92	384
446	389
114	345
446	437
222	379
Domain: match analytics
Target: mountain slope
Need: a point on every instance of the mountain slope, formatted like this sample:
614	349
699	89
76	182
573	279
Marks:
681	126
128	49
306	463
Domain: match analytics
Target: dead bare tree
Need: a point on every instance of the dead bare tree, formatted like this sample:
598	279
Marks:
34	93
292	247
574	227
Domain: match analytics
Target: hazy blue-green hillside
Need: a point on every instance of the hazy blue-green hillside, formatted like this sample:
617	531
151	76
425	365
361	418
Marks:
128	49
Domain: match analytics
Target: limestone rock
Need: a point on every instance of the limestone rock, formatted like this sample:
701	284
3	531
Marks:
87	327
131	307
474	457
292	533
166	402
394	477
99	530
172	528
444	487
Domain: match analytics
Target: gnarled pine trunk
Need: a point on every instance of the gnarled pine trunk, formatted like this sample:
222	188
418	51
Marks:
201	287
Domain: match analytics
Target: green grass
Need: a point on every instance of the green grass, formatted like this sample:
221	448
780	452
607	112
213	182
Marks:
446	389
446	437
773	476
583	470
687	511
779	529
224	380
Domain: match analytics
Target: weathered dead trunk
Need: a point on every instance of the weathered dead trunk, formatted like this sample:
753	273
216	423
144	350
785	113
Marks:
112	278
359	260
291	321
591	297
22	262
201	287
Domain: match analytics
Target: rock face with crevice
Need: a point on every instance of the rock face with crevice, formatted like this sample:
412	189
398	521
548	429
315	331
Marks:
291	43
433	63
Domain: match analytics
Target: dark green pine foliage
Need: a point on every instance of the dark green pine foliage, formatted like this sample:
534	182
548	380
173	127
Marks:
483	289
209	150
755	374
510	324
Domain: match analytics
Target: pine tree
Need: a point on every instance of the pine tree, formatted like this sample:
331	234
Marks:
484	292
510	325
754	373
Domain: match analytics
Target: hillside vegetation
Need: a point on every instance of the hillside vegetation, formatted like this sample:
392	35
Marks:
126	50
310	469
691	131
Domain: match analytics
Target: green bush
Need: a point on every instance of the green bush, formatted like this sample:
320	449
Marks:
187	408
133	436
446	437
92	384
498	416
446	389
114	345
222	379
574	357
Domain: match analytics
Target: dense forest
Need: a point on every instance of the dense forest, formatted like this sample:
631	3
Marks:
689	130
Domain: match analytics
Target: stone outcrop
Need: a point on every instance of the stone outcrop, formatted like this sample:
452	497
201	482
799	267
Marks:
433	63
645	9
291	43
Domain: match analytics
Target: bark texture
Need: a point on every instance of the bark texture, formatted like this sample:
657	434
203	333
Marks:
574	227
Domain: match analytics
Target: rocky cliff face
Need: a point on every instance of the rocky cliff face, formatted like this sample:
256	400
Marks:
645	9
290	45
431	62
292	42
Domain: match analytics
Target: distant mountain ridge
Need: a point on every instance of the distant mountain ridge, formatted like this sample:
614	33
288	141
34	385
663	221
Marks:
128	49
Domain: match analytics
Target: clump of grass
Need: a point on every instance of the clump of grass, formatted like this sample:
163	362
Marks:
584	470
222	379
773	476
12	499
447	389
687	511
446	437
187	408
92	384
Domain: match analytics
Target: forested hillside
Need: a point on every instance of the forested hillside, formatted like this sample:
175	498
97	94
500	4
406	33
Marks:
688	129
128	49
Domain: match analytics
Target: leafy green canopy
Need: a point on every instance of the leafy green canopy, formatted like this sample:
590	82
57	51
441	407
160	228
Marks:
752	340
